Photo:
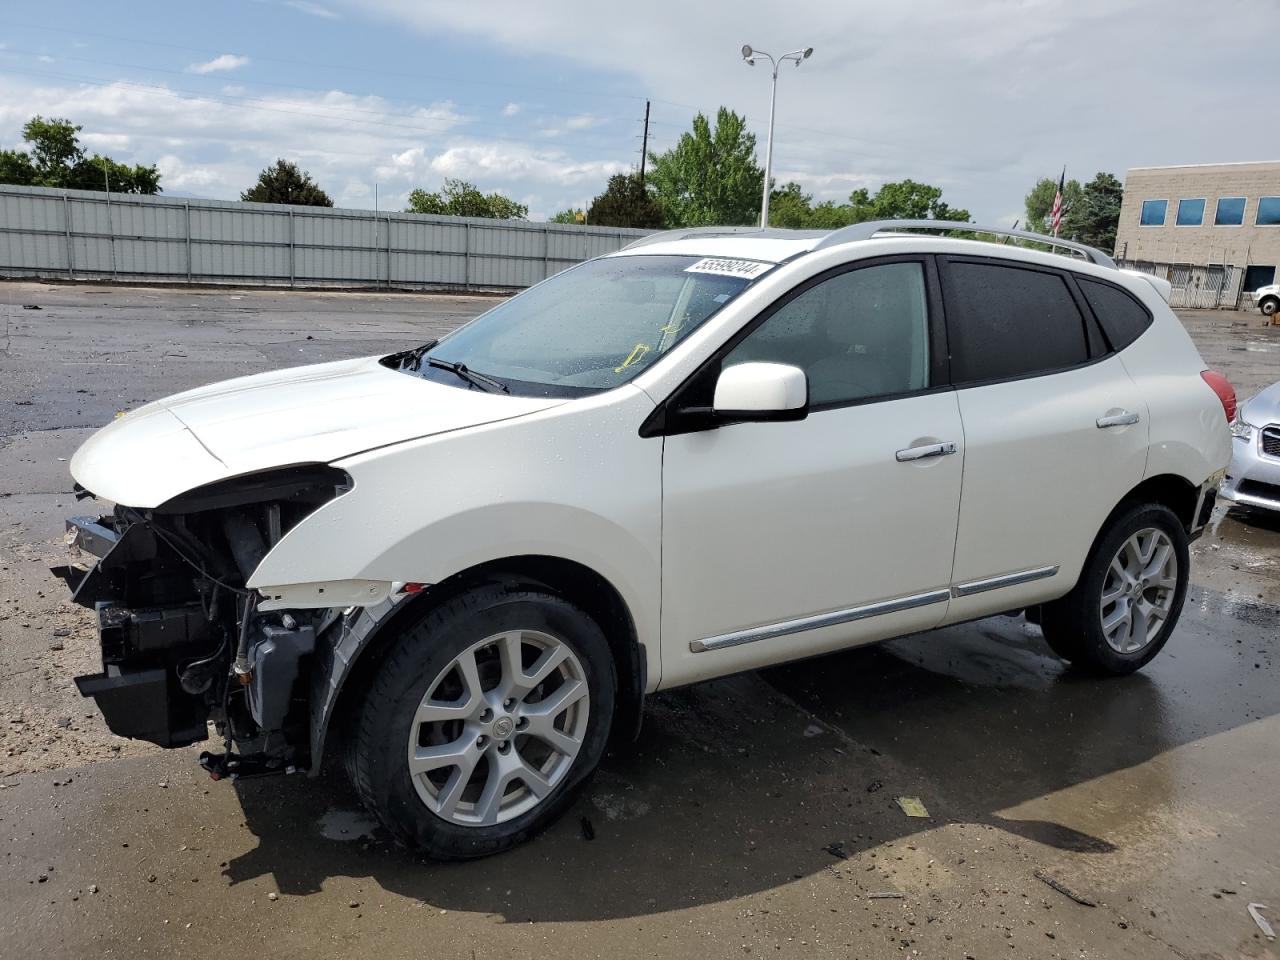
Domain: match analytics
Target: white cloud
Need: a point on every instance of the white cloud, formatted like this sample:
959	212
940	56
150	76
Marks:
984	96
45	58
583	121
220	64
312	9
511	109
214	148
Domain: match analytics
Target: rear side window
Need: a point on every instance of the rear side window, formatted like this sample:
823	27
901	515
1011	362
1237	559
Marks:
1121	316
1006	322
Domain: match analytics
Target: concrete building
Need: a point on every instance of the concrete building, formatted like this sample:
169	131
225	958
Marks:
1213	230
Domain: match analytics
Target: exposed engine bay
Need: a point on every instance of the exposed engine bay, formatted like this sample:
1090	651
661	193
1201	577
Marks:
183	642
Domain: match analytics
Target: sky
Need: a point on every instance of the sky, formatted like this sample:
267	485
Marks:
544	101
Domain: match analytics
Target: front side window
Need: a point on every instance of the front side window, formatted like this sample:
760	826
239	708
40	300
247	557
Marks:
857	335
1153	212
1190	213
1230	212
1007	322
1268	211
588	329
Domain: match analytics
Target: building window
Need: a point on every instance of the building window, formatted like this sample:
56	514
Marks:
1190	213
1153	212
1268	211
1230	212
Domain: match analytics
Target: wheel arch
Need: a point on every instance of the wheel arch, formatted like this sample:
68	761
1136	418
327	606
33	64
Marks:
573	581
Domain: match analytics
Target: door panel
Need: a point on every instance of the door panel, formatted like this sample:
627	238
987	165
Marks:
771	522
1040	477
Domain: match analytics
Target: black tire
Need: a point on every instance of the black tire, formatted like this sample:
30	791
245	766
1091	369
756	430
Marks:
1072	625
378	761
1269	306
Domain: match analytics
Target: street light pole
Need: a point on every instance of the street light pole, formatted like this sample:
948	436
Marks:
749	55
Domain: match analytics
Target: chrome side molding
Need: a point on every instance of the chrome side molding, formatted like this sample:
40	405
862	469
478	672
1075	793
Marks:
818	621
879	609
1005	580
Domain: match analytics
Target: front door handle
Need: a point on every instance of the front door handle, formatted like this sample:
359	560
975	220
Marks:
928	450
1121	419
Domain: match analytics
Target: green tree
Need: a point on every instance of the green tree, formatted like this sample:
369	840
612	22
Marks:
790	207
626	203
572	215
710	177
1039	205
57	160
284	182
16	167
458	198
903	200
1097	213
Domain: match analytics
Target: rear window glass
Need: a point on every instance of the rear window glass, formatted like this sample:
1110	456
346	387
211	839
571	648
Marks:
1006	322
1121	316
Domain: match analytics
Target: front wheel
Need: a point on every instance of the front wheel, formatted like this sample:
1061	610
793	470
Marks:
483	720
1129	596
1269	306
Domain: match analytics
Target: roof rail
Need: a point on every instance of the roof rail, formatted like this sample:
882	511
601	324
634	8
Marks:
865	231
686	233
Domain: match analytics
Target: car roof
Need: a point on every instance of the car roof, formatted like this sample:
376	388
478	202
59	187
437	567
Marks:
774	245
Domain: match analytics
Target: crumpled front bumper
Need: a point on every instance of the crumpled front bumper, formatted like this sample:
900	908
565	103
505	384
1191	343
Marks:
137	690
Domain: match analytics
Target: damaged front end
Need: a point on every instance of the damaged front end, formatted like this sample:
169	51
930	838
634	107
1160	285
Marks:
183	641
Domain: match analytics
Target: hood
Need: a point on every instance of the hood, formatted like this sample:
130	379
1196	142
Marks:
313	414
1263	408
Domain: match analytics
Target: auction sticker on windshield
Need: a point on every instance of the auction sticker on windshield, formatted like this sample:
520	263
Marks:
746	269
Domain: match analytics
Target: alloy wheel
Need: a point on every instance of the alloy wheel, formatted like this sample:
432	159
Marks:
499	728
1138	590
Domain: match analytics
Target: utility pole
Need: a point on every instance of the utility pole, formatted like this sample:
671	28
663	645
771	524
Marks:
644	149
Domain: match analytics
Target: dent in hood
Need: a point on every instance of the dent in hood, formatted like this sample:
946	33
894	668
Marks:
313	414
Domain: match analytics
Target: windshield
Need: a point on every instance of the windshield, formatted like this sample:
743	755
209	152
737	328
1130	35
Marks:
590	328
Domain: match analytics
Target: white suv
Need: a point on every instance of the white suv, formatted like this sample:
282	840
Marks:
464	566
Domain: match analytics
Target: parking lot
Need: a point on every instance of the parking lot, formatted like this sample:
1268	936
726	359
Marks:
756	815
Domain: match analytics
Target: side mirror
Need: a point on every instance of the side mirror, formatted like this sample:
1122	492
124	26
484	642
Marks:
762	391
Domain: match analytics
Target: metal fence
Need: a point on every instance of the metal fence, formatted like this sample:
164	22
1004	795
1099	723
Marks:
80	234
1199	286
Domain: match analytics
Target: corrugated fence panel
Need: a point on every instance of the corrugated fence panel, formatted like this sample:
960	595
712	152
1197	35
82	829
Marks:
174	239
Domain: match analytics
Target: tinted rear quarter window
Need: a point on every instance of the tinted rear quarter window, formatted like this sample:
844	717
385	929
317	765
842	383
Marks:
1121	316
1008	322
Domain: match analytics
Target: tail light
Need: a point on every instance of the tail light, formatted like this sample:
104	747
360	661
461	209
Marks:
1222	387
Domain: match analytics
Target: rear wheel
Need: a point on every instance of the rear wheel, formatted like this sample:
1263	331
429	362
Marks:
1129	596
483	720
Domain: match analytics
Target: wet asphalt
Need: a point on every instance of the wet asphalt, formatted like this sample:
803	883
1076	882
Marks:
756	815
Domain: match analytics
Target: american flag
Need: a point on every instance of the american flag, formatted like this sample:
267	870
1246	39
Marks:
1056	215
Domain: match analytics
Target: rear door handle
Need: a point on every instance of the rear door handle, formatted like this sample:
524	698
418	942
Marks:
1122	419
928	450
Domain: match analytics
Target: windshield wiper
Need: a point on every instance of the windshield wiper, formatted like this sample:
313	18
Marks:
487	384
413	358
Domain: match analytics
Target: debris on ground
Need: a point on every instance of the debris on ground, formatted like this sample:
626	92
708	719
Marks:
837	850
1063	889
588	829
30	306
885	896
1260	920
273	896
874	785
912	806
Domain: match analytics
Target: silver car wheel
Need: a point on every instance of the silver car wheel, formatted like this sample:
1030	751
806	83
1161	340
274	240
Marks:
499	728
1138	590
